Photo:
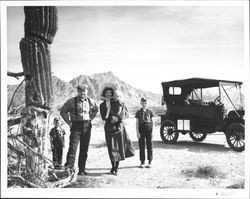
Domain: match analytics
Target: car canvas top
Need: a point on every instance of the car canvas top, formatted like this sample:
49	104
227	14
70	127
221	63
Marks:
199	83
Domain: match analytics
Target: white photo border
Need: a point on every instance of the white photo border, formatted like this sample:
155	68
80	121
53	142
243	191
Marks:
117	192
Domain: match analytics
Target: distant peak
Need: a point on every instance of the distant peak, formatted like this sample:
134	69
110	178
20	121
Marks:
104	73
110	72
81	77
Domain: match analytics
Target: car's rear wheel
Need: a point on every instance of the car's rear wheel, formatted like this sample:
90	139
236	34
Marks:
235	135
168	131
197	137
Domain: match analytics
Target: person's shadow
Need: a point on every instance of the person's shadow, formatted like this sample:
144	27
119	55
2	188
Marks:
106	172
97	174
92	171
129	167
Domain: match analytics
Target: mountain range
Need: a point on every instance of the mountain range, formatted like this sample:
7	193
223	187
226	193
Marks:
64	90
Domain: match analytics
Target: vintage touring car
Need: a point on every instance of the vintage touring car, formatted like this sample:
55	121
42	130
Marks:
199	106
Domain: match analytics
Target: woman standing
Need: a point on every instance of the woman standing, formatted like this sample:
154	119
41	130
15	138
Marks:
118	143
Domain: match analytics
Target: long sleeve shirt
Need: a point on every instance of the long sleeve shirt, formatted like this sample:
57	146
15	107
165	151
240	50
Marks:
76	109
115	106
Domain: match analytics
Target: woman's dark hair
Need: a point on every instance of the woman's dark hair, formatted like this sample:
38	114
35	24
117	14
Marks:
106	89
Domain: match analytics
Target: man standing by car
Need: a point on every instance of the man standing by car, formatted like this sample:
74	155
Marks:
82	111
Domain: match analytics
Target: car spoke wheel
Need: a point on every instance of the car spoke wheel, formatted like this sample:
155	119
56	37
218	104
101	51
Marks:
169	132
236	136
198	137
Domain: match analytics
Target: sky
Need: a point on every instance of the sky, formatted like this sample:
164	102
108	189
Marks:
141	45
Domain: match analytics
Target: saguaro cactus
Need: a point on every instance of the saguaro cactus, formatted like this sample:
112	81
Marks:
41	22
37	69
40	29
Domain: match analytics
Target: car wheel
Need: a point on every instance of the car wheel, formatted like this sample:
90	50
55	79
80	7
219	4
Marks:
235	135
169	132
198	137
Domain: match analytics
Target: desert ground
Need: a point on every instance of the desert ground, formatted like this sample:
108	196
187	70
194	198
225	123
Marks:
186	164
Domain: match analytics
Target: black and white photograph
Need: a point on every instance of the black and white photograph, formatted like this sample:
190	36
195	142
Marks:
141	99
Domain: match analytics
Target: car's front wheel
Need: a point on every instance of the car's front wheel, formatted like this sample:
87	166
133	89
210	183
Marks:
197	137
235	135
168	131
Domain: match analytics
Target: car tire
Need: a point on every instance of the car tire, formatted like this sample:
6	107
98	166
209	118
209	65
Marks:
168	131
235	135
198	137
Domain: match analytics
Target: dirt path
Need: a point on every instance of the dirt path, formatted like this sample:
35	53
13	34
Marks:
174	166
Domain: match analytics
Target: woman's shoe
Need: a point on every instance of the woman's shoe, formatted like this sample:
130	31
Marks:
111	172
115	172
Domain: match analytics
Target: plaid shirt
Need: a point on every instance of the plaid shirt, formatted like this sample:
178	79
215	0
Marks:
83	110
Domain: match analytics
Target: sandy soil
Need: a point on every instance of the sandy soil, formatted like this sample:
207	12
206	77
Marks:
174	166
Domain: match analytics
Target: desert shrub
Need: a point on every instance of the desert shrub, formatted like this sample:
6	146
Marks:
203	172
206	172
238	185
101	144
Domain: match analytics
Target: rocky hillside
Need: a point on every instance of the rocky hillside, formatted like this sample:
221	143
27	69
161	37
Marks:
132	95
63	90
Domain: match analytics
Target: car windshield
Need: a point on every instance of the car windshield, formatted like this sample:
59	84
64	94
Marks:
230	96
234	94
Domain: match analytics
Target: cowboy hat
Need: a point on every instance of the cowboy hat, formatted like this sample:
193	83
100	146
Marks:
106	86
82	87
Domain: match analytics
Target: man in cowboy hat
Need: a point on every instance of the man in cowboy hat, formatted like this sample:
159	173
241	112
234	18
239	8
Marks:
82	111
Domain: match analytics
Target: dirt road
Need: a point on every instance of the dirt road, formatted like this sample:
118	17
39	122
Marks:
186	164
